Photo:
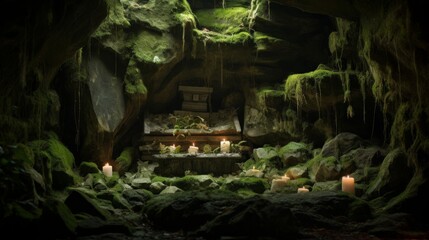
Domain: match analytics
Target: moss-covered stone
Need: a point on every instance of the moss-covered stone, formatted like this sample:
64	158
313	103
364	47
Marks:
254	184
186	183
125	160
88	167
223	20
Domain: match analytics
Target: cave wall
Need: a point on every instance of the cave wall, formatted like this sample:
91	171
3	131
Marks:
151	52
36	39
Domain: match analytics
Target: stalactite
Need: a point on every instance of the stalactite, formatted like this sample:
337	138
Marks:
221	65
207	79
183	37
269	9
418	90
336	120
24	59
399	70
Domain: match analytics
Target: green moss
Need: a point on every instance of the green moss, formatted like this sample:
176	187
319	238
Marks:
186	183
23	155
17	130
264	42
254	184
295	84
225	20
215	37
165	180
316	161
125	159
186	15
153	47
294	147
115	17
88	167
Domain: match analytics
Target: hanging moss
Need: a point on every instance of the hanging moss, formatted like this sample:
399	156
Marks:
214	37
223	25
297	84
116	17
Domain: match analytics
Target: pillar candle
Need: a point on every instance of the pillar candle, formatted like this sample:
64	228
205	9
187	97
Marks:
107	170
285	177
303	190
348	185
254	172
225	146
279	183
192	149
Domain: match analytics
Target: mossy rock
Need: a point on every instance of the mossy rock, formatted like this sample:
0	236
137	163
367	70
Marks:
87	168
255	184
186	183
165	180
125	160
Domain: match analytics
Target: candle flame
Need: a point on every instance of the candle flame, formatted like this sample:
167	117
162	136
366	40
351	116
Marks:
253	167
107	164
193	144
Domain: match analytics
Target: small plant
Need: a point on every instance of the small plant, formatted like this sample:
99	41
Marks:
207	148
181	124
237	147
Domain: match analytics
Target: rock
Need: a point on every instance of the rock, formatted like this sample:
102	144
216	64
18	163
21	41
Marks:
170	190
393	176
327	186
324	169
83	201
294	153
341	144
298	171
255	184
252	218
141	183
157	187
88	167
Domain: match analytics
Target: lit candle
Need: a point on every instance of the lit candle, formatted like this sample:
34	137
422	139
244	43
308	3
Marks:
192	149
225	146
348	185
279	183
107	170
254	172
303	190
285	177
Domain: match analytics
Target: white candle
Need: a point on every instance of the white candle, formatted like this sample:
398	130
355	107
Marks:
303	190
348	185
225	146
254	172
285	177
107	170
279	183
192	149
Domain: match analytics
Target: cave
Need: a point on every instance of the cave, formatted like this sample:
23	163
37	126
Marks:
222	119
